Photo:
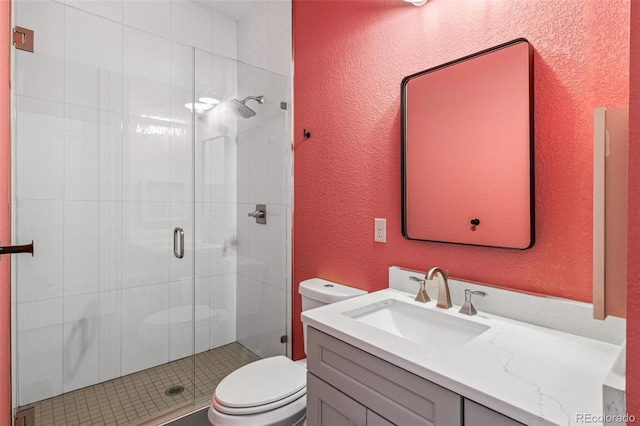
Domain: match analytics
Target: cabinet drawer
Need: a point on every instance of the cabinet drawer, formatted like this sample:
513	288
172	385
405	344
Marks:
400	396
479	415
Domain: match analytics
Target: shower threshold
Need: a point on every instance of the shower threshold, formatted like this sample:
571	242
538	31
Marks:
143	396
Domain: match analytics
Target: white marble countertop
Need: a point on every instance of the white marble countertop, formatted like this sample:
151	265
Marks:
535	375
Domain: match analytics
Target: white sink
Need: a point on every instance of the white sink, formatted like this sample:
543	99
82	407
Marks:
436	330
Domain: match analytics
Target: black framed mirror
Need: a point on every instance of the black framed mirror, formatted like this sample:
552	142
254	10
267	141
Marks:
467	150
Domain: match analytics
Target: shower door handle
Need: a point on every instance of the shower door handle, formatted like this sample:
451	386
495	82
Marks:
178	242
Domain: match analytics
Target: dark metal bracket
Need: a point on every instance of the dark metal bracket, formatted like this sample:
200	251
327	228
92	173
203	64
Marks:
26	248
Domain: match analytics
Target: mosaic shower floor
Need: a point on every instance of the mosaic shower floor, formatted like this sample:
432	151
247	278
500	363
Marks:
140	397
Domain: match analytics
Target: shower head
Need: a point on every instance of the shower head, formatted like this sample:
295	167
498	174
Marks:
241	108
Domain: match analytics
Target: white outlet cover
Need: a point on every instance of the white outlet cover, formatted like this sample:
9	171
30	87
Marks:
380	230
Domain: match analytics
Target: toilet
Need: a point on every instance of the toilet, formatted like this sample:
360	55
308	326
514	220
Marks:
272	391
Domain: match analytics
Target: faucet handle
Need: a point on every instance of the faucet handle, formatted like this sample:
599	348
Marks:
468	308
422	295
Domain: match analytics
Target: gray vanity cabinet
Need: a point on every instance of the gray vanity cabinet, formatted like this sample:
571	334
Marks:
347	386
479	415
350	387
328	406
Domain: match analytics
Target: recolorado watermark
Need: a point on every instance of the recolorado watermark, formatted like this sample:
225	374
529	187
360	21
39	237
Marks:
605	418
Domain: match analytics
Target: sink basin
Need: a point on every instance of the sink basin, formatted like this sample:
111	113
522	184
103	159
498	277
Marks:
437	331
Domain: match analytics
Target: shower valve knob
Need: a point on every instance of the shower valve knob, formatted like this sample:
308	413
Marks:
260	214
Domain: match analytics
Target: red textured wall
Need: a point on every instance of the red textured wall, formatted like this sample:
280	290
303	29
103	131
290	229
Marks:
633	240
350	57
5	221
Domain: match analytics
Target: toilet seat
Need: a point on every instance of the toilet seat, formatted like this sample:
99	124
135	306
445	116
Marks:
258	408
260	386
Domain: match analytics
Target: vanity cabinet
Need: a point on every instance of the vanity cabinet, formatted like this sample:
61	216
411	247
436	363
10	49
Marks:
348	386
328	406
479	415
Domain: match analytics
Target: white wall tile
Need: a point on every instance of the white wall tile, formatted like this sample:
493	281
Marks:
278	155
81	247
223	310
39	155
243	245
110	9
81	160
191	24
92	339
110	245
92	154
40	342
203	243
253	29
258	165
150	16
204	310
231	169
277	243
92	246
93	61
261	317
147	243
252	316
223	238
242	167
146	152
38	219
40	276
181	319
276	301
280	48
147	73
259	249
41	74
181	134
279	18
257	58
224	36
145	334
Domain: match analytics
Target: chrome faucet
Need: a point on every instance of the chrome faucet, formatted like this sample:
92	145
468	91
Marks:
444	297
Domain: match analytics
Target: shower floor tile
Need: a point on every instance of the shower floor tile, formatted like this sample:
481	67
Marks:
140	397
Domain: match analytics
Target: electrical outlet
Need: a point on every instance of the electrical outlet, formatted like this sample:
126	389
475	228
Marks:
380	230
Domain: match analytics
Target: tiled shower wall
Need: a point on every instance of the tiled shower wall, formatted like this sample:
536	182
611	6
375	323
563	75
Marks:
102	174
265	177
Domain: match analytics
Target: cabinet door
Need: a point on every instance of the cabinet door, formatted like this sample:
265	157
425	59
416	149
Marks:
399	395
327	406
374	419
479	415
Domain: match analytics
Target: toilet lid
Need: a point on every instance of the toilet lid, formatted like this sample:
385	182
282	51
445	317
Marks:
261	382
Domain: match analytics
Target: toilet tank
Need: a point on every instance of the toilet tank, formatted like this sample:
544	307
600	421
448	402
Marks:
317	292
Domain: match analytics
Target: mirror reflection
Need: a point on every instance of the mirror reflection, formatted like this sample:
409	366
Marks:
467	141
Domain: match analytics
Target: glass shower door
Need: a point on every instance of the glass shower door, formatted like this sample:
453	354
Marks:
241	265
104	186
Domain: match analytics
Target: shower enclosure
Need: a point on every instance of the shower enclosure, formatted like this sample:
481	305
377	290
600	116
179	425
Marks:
135	168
